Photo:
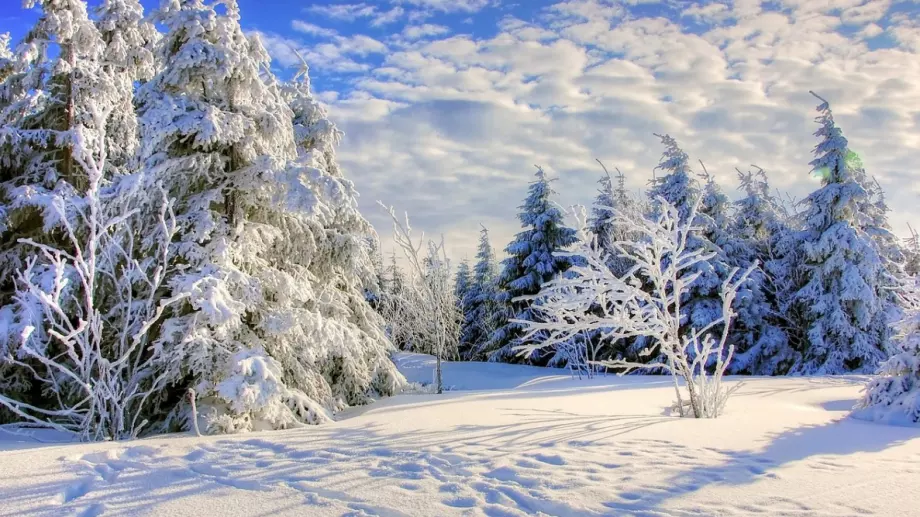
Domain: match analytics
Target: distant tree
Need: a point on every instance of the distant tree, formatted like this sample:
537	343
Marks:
844	301
531	263
479	304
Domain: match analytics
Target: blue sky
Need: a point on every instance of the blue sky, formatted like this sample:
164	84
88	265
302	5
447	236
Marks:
448	104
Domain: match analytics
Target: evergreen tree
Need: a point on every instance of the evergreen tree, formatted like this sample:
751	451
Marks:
893	395
843	301
762	345
274	329
529	265
612	199
479	303
128	59
678	188
912	254
462	284
51	85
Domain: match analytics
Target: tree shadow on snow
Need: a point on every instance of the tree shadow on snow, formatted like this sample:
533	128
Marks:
810	444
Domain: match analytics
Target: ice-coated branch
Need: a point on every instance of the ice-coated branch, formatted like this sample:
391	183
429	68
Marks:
645	301
425	309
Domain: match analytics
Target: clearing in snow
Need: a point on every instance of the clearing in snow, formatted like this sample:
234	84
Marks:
506	441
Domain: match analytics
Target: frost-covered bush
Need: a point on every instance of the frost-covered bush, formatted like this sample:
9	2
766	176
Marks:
646	301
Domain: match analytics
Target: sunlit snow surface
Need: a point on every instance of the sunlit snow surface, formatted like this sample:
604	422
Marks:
509	440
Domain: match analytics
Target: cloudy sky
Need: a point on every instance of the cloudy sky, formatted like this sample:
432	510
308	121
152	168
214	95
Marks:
447	105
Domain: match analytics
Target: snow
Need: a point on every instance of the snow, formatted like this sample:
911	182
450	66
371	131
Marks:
508	440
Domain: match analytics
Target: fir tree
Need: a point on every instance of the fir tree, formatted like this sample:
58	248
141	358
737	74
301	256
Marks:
462	284
531	262
678	188
893	395
275	330
129	59
761	342
911	248
479	303
611	199
52	84
843	301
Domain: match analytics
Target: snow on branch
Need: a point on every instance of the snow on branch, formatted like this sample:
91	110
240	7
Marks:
425	308
645	301
85	307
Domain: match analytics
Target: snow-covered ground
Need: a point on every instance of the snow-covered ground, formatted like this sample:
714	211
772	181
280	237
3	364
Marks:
510	440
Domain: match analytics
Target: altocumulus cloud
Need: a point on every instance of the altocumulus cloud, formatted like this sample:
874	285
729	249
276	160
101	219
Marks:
445	119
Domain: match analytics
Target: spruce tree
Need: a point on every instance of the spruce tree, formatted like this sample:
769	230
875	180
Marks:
612	199
274	330
893	395
462	284
762	345
479	304
128	59
52	82
843	301
680	189
530	263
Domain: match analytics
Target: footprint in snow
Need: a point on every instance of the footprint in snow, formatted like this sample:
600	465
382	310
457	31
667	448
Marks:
550	459
461	502
76	490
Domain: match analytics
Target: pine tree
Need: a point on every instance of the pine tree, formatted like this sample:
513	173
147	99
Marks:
762	345
462	284
531	262
51	85
893	395
274	330
843	301
911	249
611	199
678	188
129	43
43	98
479	303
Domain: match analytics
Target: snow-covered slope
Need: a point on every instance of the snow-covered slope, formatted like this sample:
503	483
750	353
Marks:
512	440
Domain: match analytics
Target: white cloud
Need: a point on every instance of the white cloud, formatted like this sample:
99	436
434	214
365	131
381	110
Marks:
313	30
353	12
446	6
347	12
414	32
449	127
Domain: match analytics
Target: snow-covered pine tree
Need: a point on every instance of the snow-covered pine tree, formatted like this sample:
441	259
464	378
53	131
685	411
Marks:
761	344
342	260
50	84
893	395
479	304
843	301
6	57
375	292
275	331
462	283
531	262
911	248
128	60
611	199
678	188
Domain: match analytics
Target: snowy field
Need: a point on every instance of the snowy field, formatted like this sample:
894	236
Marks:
510	440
